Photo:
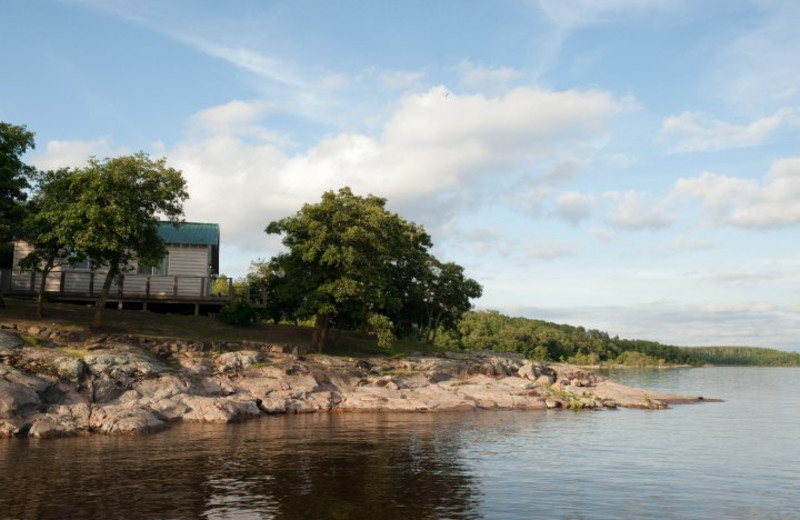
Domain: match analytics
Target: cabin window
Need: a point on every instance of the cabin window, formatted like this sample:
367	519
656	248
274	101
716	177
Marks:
161	268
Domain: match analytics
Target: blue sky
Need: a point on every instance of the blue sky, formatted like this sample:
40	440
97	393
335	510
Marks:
627	165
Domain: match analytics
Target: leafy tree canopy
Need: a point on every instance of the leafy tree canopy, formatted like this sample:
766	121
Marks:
353	264
14	176
108	213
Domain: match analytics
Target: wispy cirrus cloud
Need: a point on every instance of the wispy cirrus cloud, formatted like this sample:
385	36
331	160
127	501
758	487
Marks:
475	75
695	131
571	14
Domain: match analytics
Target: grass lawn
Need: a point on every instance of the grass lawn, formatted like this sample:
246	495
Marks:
193	328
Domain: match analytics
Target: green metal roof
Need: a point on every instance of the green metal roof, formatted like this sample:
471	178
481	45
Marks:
193	233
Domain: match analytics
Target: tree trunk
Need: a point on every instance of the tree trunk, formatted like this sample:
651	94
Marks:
435	327
320	336
429	327
40	296
100	305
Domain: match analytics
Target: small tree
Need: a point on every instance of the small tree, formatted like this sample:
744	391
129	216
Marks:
111	214
448	297
49	249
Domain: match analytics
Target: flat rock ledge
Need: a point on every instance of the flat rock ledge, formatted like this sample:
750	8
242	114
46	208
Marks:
117	386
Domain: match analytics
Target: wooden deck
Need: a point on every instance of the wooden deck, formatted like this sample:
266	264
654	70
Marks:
80	286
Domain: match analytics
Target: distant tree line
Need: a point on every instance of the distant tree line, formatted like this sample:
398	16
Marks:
744	356
543	340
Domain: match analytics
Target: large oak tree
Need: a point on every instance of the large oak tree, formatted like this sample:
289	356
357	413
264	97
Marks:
353	264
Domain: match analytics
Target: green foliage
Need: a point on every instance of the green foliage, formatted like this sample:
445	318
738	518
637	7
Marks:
353	265
749	356
239	313
383	329
545	341
447	296
221	286
107	213
635	359
14	176
581	358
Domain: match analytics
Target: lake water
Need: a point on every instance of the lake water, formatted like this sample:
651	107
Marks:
739	459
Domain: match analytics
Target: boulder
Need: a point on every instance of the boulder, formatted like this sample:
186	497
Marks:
10	340
8	429
69	368
164	387
53	426
219	409
123	366
20	393
125	420
237	361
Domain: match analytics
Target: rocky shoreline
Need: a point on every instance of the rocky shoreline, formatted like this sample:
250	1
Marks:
56	385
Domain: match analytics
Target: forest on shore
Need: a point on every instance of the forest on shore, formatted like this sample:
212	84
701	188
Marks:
546	341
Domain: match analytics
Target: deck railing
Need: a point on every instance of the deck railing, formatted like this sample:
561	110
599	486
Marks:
128	286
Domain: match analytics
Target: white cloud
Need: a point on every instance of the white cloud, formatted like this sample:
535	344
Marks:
734	307
750	323
230	117
436	144
75	153
633	212
439	140
232	182
750	203
694	131
574	207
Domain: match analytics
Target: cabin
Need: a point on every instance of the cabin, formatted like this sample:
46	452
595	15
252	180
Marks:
188	273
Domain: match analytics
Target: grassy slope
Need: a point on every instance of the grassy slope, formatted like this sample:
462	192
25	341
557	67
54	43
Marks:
188	328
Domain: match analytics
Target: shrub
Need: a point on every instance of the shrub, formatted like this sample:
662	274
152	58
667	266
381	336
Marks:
238	313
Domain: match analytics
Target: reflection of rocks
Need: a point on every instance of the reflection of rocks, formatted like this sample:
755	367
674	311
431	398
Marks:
116	387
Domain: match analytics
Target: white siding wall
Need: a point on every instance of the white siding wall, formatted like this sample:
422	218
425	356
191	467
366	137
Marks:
20	282
188	261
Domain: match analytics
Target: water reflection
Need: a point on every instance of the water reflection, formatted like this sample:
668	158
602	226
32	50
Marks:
313	466
737	459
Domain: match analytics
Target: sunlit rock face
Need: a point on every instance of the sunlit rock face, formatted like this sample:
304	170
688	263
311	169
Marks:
117	387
